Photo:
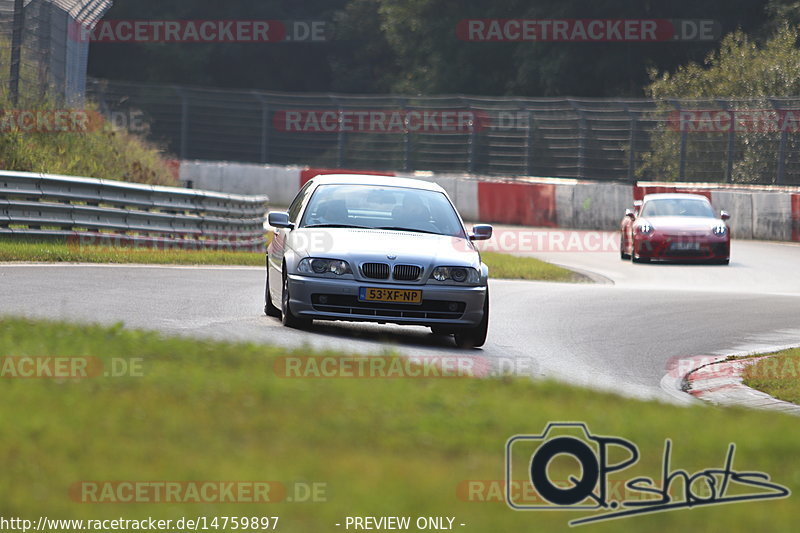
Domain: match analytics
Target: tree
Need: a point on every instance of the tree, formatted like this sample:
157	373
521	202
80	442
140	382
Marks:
751	76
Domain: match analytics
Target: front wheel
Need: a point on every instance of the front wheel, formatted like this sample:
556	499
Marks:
622	254
475	337
289	320
269	307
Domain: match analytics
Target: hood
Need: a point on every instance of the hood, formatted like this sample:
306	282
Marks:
375	245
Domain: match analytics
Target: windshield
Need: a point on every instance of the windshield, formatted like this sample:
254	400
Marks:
376	207
677	207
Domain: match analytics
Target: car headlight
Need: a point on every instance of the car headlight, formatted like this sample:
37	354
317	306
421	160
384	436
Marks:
316	265
456	274
720	230
645	228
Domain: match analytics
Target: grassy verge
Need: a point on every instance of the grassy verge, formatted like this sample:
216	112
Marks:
61	252
89	146
500	265
778	375
198	411
504	266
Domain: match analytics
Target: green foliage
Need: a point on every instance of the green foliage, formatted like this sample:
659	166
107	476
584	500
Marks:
103	152
743	70
411	47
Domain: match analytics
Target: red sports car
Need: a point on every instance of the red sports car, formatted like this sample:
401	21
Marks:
675	227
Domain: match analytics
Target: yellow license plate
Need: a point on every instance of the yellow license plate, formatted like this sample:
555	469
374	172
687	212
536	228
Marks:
400	296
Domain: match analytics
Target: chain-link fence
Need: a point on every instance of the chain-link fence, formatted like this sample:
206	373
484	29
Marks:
742	141
42	52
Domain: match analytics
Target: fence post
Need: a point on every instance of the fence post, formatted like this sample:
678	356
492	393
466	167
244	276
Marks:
781	149
631	144
264	149
682	153
406	139
341	141
781	158
529	145
473	142
184	138
16	50
731	138
582	132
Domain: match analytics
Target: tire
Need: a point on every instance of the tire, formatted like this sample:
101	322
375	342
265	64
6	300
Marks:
269	307
475	337
622	254
637	259
288	319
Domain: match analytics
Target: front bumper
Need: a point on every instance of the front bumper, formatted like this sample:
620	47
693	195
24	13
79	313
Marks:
661	248
442	305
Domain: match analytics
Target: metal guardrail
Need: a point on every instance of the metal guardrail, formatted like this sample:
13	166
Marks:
96	211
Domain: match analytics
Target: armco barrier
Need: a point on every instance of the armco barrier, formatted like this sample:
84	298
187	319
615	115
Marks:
89	210
757	211
529	204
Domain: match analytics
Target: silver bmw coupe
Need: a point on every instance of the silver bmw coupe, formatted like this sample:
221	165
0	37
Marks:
378	249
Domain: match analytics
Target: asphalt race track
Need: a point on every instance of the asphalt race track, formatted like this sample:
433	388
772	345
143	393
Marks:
617	335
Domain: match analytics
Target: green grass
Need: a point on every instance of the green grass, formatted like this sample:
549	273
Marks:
217	411
504	266
778	375
60	252
500	265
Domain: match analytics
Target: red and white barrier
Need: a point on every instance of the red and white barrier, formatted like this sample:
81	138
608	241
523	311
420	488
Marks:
757	212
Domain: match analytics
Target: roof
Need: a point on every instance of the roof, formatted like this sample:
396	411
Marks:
674	196
369	179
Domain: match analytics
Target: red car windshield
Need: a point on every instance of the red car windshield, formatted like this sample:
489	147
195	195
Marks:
677	207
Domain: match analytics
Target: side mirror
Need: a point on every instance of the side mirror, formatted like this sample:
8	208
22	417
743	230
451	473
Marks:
724	215
481	232
629	213
279	219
